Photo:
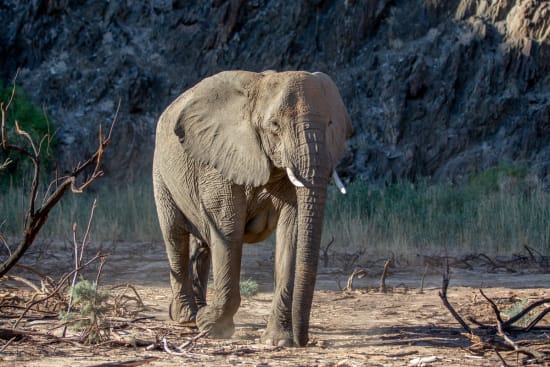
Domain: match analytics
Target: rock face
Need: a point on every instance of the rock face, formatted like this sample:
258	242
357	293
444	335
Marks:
435	88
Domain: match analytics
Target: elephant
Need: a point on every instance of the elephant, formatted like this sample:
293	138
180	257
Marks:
238	156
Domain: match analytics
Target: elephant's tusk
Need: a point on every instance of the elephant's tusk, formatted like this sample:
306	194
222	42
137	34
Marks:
339	182
293	178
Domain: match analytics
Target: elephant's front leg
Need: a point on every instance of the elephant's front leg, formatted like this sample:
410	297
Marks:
182	306
227	215
279	326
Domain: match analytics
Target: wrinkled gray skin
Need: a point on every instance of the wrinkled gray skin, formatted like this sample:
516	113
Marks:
223	149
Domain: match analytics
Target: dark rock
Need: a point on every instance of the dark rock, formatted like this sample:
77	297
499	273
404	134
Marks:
435	88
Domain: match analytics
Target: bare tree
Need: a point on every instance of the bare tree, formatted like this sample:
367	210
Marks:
37	211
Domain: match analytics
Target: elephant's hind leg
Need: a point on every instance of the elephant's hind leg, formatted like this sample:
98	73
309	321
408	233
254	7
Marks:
200	267
176	238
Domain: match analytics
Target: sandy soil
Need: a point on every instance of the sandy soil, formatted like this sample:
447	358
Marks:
362	327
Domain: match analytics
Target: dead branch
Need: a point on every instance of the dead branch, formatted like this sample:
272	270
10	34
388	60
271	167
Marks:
423	278
507	339
508	325
357	273
21	280
131	363
19	333
484	335
384	275
324	255
35	218
443	296
538	318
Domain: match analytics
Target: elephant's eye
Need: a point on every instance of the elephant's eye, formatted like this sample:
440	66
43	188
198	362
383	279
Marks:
329	122
275	126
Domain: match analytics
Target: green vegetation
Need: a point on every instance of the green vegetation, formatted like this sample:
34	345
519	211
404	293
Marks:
248	287
32	120
515	309
496	212
91	307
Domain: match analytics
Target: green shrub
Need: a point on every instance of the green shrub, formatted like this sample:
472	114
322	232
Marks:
32	120
248	287
91	308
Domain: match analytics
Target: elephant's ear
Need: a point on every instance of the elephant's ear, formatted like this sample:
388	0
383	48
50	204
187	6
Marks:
340	127
214	127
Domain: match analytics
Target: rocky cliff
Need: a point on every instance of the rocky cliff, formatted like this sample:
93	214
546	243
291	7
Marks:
435	88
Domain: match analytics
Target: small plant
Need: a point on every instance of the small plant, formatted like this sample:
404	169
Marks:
248	288
91	306
517	308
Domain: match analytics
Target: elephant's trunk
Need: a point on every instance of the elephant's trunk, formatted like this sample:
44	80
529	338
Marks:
310	225
314	169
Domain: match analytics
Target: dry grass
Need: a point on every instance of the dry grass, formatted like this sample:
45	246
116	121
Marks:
495	213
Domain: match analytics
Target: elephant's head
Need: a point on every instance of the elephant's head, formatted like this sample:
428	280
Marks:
252	127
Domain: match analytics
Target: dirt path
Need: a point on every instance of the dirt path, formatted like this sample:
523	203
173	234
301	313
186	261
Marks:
355	328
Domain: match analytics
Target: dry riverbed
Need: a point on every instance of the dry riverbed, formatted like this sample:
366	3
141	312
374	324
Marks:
405	325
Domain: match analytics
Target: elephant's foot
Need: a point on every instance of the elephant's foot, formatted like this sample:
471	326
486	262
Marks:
277	336
215	323
181	312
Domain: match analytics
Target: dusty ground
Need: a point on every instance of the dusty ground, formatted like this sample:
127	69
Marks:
362	327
